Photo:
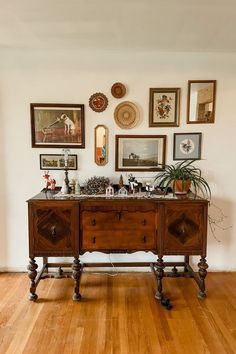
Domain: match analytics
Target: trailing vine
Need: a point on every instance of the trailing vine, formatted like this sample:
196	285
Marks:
215	222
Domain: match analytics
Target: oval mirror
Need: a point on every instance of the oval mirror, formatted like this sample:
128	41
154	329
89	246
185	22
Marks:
101	145
201	101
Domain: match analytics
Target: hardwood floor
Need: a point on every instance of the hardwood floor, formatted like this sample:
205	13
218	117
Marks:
117	315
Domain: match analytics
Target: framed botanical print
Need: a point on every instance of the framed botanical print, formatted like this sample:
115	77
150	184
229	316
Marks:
164	107
187	146
57	125
140	152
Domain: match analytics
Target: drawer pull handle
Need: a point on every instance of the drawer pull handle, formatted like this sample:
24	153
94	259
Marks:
53	232
144	222
93	222
118	214
93	239
143	239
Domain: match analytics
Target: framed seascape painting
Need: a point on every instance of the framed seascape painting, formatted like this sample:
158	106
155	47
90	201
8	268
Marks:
164	107
57	125
140	152
57	162
187	146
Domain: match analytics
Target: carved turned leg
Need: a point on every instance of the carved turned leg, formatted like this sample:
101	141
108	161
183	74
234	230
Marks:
159	276
32	273
186	260
76	274
45	262
174	271
202	265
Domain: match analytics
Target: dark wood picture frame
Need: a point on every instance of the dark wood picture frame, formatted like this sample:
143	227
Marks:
57	125
140	152
164	107
57	162
187	146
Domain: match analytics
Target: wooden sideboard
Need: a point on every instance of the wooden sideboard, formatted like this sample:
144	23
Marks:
72	226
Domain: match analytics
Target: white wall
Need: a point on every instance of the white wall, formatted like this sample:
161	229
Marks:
71	77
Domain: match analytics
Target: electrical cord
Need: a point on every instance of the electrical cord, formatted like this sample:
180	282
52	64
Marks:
113	273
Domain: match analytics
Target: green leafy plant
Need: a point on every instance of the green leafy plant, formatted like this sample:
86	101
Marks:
186	172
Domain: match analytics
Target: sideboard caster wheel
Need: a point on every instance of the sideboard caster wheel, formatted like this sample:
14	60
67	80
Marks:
76	297
166	303
33	297
201	295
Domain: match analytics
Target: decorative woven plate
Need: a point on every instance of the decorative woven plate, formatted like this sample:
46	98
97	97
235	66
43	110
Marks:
98	102
126	115
118	90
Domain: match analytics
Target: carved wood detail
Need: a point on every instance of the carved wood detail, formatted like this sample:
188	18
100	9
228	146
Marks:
202	265
32	273
76	273
54	227
183	228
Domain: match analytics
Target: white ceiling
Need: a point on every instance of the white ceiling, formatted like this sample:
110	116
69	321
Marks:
171	25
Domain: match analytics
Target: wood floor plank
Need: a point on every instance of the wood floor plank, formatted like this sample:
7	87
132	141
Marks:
118	315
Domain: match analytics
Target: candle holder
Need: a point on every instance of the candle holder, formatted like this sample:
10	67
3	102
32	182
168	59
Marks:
66	187
66	180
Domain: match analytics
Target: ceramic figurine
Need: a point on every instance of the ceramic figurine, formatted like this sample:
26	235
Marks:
109	191
64	188
77	187
121	181
123	191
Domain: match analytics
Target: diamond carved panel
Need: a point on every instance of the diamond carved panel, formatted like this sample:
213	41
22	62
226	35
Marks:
183	228
53	227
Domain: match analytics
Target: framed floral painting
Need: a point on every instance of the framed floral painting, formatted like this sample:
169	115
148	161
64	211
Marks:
164	107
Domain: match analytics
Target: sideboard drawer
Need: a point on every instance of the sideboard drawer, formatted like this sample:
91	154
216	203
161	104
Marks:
118	220
118	240
119	226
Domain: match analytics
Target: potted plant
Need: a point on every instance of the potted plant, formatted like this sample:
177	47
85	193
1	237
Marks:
180	177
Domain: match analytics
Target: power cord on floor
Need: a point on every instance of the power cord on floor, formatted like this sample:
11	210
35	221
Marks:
113	273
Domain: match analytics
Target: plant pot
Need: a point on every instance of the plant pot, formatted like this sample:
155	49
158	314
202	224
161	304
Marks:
181	186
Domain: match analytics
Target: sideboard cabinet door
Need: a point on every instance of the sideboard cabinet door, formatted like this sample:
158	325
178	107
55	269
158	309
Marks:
53	228
185	228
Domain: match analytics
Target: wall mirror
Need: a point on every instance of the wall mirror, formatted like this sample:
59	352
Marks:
101	145
201	101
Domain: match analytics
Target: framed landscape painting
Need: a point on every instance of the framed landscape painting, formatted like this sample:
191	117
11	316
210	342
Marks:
140	152
187	146
164	107
57	162
57	125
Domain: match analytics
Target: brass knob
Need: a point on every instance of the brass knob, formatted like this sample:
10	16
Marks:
93	222
53	231
118	215
143	239
93	239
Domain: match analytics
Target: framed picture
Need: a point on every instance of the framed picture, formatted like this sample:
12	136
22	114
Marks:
140	152
57	125
164	107
57	162
187	146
